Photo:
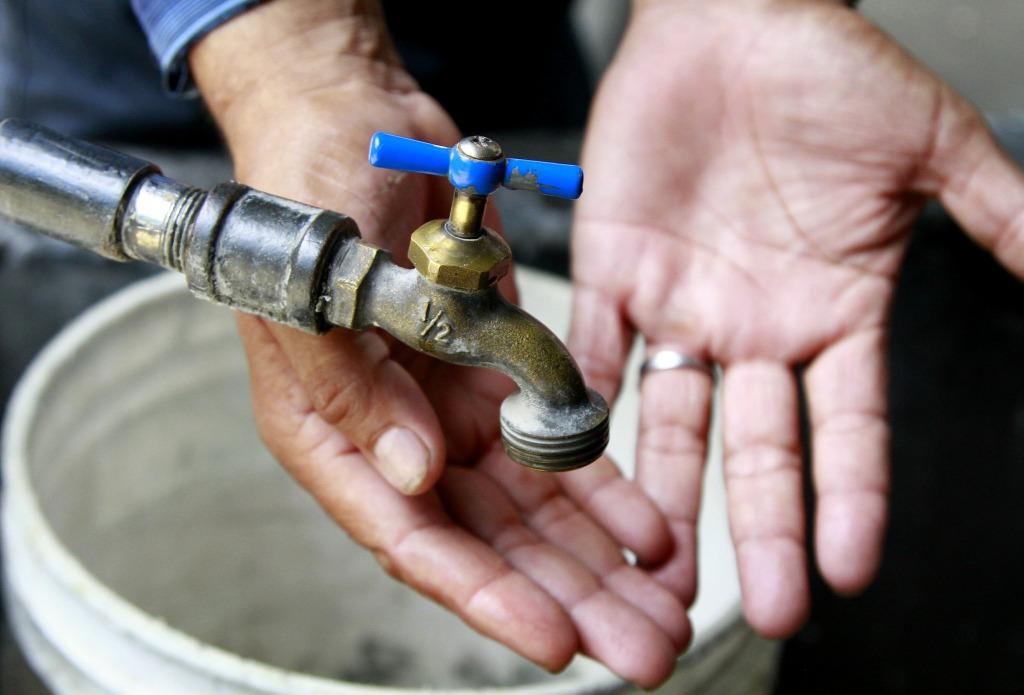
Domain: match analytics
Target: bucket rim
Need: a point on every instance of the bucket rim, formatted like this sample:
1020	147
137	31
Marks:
169	642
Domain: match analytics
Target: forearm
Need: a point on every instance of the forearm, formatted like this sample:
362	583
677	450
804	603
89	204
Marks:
285	50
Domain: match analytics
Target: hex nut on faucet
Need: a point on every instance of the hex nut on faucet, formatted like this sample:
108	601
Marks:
463	264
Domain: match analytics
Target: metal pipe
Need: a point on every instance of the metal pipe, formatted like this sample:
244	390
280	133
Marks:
249	250
306	267
71	190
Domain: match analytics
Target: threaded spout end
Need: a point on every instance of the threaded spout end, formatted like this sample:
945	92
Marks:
555	454
559	441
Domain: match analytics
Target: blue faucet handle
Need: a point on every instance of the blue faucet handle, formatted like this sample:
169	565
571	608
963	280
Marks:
547	178
389	151
476	166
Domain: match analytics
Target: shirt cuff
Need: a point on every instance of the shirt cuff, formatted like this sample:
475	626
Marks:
172	26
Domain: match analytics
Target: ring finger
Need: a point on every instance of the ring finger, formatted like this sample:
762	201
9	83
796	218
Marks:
675	403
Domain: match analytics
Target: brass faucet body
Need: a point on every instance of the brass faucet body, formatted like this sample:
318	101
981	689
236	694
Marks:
554	422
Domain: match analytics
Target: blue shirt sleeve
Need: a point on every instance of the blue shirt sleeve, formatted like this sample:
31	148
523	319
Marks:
172	26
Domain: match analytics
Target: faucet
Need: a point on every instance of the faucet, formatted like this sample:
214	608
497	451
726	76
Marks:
308	268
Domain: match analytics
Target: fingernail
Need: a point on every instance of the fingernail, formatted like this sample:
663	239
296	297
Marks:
402	458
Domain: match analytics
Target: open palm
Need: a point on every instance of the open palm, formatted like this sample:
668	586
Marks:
754	168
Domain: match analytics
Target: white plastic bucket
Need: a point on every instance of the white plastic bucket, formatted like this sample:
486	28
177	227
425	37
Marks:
152	545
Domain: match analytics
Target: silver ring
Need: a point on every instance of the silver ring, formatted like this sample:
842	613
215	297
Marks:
666	360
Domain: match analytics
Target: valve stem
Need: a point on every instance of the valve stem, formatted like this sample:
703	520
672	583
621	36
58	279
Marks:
467	215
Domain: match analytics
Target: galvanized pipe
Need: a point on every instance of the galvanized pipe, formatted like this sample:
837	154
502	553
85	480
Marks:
250	250
71	190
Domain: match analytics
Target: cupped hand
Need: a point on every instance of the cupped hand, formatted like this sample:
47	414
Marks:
753	169
402	450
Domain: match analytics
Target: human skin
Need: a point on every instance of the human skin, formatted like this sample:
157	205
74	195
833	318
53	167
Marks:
754	167
402	450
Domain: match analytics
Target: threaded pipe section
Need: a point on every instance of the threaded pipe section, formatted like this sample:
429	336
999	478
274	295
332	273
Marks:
179	227
555	453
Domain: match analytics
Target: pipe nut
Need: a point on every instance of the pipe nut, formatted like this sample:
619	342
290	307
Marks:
463	264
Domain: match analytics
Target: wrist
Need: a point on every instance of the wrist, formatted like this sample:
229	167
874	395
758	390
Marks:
273	56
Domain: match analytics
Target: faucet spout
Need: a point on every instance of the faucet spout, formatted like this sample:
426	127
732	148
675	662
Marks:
553	422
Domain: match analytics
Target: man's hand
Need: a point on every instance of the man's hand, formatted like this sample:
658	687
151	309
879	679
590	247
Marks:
753	169
367	425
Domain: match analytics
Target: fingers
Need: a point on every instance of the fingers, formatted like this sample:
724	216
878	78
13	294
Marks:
846	397
763	482
355	386
977	182
621	508
556	519
411	537
610	628
599	339
671	449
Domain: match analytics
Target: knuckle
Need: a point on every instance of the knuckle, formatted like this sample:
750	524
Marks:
554	511
860	424
346	400
346	403
670	440
388	564
335	399
1009	240
762	461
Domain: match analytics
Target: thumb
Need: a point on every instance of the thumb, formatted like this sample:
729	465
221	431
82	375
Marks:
977	181
354	386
